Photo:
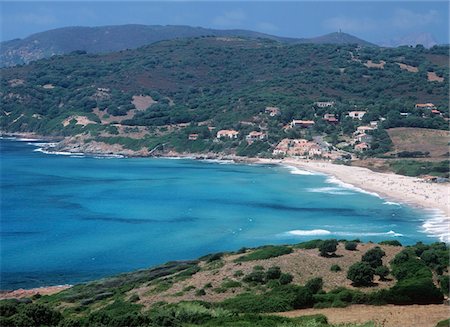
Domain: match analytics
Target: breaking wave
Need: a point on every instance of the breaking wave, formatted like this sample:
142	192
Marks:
319	232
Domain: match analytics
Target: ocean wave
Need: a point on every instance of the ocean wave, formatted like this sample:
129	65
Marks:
24	139
319	232
298	171
46	144
61	153
341	184
390	203
329	190
437	225
312	232
219	161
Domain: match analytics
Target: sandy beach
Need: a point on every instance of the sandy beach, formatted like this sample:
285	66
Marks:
404	189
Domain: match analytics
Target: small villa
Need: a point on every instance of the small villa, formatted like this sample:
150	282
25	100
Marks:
436	112
302	123
363	129
273	111
227	133
425	106
361	147
356	114
255	136
330	118
193	137
324	104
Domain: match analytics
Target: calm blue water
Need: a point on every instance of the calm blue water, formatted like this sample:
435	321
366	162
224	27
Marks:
66	219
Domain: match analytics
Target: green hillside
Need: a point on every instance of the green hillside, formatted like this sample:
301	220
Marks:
102	39
184	86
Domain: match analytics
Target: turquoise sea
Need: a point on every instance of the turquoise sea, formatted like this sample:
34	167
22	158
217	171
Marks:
67	219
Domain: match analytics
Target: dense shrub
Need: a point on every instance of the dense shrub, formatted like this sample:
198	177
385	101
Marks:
285	279
361	274
313	244
314	285
374	257
266	252
415	291
351	246
335	268
328	247
273	273
382	272
444	283
391	242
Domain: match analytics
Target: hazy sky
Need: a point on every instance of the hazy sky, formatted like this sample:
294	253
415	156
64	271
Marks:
373	21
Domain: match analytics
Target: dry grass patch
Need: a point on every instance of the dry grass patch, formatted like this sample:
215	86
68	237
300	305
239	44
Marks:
420	139
433	77
80	120
142	102
386	315
371	64
409	68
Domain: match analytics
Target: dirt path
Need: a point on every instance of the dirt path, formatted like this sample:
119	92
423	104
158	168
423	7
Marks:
385	316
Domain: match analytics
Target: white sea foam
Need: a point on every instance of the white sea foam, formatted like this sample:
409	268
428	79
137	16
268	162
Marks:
437	225
219	161
24	139
334	180
61	153
329	190
298	171
390	203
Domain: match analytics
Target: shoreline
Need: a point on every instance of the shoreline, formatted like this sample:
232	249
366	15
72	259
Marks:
21	293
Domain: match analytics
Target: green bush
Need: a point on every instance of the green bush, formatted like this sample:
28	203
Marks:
391	243
412	268
328	247
335	268
285	278
314	285
351	246
361	274
374	257
313	244
273	273
444	283
255	277
266	252
415	291
382	272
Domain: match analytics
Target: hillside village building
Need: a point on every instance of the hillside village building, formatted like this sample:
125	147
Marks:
255	136
302	123
226	133
330	118
297	147
272	111
325	104
356	114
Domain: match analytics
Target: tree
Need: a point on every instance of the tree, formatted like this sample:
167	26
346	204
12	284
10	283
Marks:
382	271
361	274
328	247
374	257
